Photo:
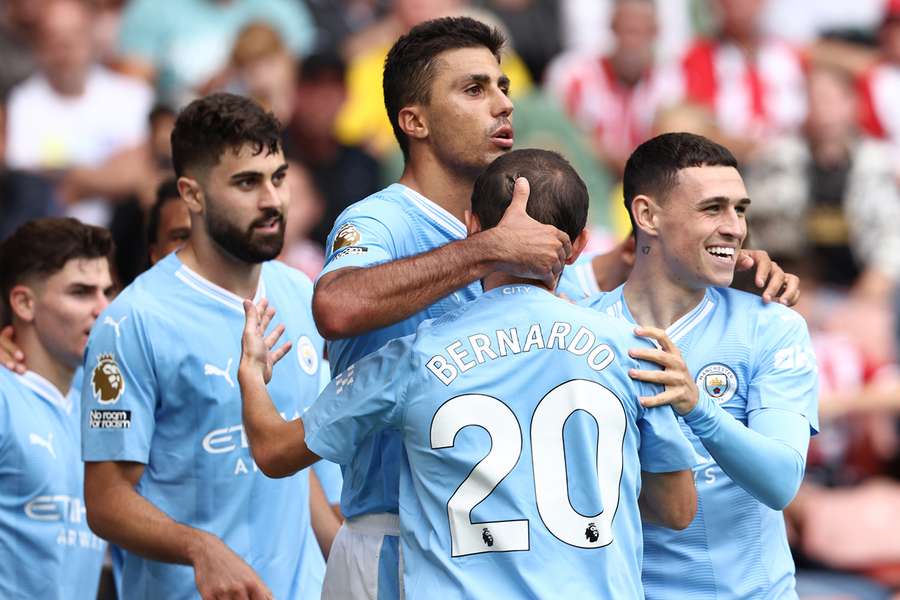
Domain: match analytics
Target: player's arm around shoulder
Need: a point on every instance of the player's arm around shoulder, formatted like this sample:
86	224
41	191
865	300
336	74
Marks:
387	289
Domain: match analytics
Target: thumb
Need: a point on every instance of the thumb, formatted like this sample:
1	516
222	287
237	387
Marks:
251	317
520	195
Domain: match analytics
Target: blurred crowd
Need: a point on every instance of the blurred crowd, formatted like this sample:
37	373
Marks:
805	92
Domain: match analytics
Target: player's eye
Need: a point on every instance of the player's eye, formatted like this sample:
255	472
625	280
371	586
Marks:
278	178
245	184
741	210
473	90
505	89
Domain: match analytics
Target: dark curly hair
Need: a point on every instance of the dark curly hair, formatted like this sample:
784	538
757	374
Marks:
42	247
207	127
409	66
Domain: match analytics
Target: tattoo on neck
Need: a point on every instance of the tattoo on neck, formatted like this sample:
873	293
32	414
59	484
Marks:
645	249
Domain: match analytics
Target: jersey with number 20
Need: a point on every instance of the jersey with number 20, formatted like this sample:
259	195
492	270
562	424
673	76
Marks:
525	442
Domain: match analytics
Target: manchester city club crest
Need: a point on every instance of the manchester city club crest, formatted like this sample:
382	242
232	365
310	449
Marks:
719	381
307	355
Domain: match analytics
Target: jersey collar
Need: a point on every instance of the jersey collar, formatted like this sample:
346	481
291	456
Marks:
46	390
677	330
214	292
438	215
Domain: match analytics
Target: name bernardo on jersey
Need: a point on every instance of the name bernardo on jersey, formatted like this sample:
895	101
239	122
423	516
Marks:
478	348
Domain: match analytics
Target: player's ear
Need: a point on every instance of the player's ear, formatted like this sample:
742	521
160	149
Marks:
578	245
473	225
412	122
645	211
21	302
192	194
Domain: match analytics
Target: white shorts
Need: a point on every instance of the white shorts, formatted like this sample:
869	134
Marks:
365	561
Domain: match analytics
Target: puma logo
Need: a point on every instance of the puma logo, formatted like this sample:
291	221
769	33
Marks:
37	440
113	323
209	369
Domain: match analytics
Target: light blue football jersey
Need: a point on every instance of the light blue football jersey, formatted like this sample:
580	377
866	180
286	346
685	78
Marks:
525	442
47	550
394	223
746	355
160	388
577	281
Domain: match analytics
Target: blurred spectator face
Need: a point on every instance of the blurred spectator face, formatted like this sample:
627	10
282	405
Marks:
66	304
161	125
739	18
307	206
265	68
832	105
413	12
890	39
317	104
173	231
23	15
64	45
468	117
634	25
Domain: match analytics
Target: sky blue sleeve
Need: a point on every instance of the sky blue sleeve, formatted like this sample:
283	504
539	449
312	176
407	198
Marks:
664	448
767	458
785	374
364	399
364	235
119	390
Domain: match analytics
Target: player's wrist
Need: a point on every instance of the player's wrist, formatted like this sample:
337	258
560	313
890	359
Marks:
250	374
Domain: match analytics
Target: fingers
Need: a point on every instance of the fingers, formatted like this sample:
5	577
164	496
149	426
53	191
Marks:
251	318
660	399
655	376
521	192
10	354
763	267
661	357
744	261
775	283
791	293
272	338
654	333
280	352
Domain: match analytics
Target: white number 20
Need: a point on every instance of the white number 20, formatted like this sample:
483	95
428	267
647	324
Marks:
549	461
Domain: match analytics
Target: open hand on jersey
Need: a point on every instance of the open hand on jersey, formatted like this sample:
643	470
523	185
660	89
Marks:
680	389
526	247
777	285
257	354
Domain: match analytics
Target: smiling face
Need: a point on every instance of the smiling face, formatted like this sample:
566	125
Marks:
701	225
468	117
67	303
245	201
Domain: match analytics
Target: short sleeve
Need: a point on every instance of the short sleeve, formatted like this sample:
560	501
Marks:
366	398
119	390
785	373
664	448
365	235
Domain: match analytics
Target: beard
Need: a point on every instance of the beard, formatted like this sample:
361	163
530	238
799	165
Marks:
245	244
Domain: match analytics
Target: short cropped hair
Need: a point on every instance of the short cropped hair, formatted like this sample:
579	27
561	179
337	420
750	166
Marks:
652	169
166	192
558	195
42	247
209	126
409	68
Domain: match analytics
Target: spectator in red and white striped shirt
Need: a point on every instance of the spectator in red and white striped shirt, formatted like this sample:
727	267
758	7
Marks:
881	83
616	97
753	83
